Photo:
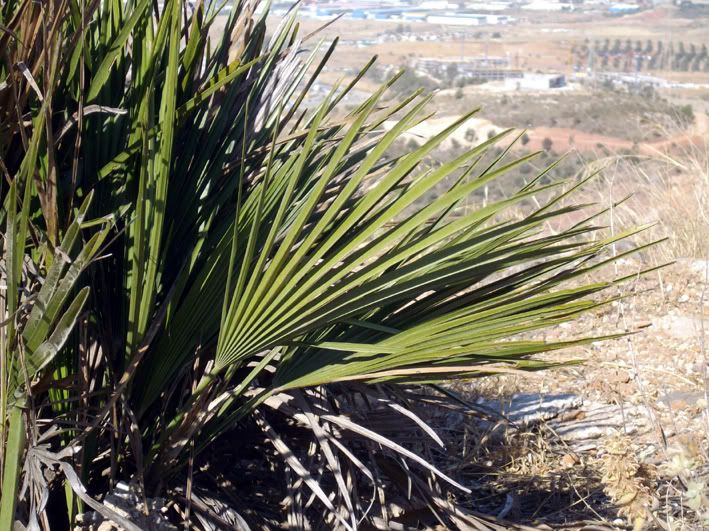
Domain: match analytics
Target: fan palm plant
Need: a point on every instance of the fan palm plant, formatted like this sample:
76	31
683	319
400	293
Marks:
231	246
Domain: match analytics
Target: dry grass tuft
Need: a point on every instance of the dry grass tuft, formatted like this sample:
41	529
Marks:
626	481
669	188
686	488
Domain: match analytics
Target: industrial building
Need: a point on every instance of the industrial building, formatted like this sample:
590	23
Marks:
536	82
623	9
479	68
431	11
468	19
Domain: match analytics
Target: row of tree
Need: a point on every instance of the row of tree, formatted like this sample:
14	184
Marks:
637	56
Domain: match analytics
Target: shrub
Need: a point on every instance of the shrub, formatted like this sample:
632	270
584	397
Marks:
547	143
191	255
412	144
687	113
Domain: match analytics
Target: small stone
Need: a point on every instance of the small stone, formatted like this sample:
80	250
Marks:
698	266
679	326
682	400
569	460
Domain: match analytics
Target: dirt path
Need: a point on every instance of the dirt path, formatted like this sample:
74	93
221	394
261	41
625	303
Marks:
566	139
563	139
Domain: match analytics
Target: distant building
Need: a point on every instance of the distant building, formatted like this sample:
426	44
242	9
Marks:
472	68
468	19
631	80
437	4
455	20
544	5
623	9
414	17
536	82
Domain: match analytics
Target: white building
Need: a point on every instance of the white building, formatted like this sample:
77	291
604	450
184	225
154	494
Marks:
437	4
454	20
536	82
544	5
468	19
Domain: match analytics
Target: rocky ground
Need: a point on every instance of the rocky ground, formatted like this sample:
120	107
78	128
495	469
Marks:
621	440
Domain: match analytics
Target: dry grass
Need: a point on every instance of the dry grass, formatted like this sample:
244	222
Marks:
670	189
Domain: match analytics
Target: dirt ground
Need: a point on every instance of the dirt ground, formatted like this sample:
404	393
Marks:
653	383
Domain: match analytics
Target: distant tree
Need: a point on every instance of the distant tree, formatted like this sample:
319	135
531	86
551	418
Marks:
702	57
547	144
451	71
648	92
689	58
662	56
679	57
471	135
616	47
524	139
648	47
652	64
671	56
687	113
459	93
